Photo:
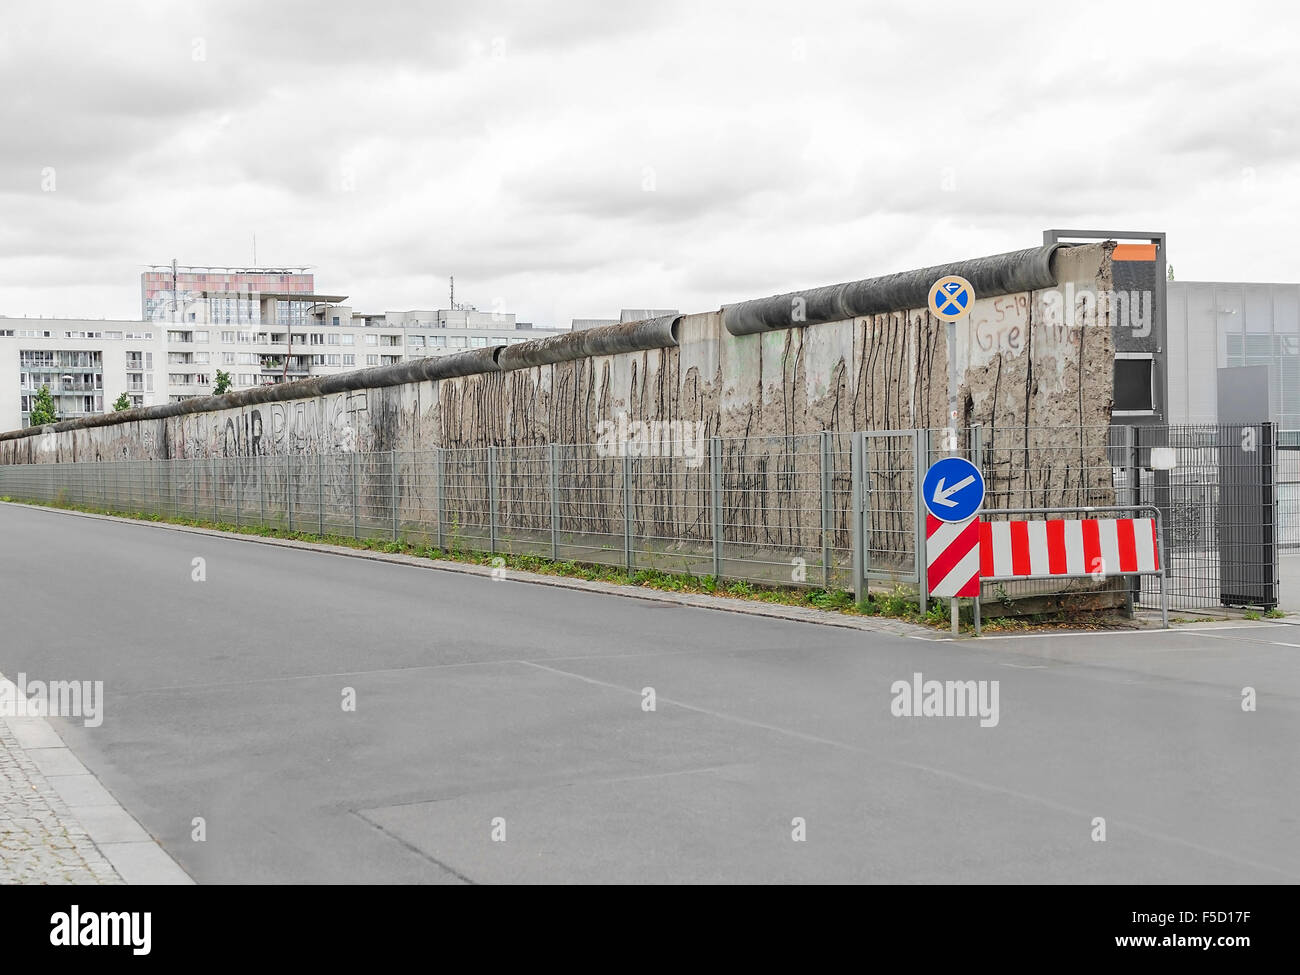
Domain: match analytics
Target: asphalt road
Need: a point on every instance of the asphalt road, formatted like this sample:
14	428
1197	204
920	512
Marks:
483	704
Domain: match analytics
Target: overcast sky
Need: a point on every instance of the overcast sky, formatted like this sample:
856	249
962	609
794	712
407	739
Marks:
568	159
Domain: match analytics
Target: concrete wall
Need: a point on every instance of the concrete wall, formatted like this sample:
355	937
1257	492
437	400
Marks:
1022	366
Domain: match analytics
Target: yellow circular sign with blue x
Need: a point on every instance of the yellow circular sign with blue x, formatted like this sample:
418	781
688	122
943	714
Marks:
951	298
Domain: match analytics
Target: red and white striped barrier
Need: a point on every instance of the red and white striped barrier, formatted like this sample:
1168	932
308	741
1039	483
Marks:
1096	546
952	555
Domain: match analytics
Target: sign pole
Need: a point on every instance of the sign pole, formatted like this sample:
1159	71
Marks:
951	299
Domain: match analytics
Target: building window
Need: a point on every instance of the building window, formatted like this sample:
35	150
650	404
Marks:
349	360
372	340
200	336
332	360
372	360
349	340
334	338
227	358
228	338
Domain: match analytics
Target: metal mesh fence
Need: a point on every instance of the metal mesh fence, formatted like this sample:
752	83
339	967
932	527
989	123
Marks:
762	509
1217	489
789	510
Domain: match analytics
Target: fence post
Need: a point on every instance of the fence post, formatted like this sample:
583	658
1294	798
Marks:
216	508
261	492
492	497
552	465
1268	490
977	458
392	468
858	481
288	489
439	495
320	493
920	461
1133	475
194	486
239	488
627	511
827	527
715	494
356	494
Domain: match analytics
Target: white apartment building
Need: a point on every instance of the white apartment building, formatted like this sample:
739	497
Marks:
86	364
257	338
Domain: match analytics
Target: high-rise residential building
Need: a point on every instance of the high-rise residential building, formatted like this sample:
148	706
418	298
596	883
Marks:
180	293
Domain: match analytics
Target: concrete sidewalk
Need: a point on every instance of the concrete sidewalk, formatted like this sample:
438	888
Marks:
59	825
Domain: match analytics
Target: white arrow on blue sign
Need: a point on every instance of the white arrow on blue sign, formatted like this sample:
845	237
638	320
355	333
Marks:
953	489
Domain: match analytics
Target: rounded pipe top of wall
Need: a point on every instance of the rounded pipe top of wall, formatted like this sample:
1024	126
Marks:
1001	274
650	333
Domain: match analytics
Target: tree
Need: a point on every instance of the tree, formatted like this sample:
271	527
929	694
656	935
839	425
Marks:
1170	275
224	382
123	402
43	411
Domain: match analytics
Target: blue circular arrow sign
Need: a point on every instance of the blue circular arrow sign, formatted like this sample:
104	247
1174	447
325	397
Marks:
953	489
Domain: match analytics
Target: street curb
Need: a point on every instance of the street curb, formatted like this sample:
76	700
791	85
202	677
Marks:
136	856
796	614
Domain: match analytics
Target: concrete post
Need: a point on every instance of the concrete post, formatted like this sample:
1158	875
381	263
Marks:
239	489
320	493
261	491
288	489
194	486
553	470
356	494
216	507
715	496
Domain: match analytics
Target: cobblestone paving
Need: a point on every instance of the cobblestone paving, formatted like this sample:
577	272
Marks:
40	842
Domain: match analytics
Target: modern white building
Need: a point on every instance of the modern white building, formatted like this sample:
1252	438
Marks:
258	338
1215	324
86	364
